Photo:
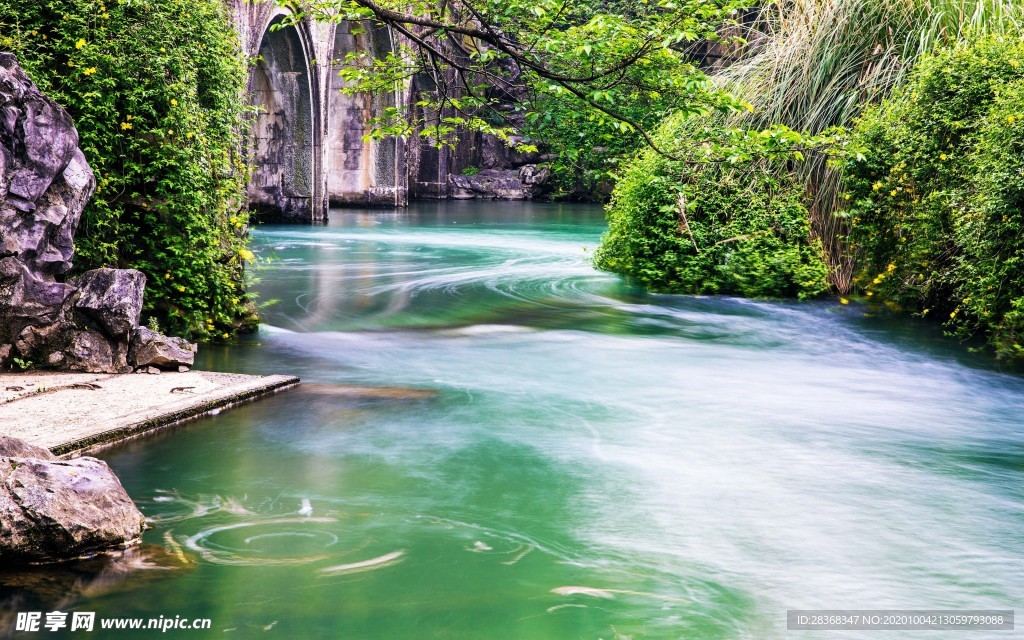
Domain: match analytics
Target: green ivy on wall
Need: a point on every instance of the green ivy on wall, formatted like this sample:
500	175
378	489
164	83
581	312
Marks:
155	89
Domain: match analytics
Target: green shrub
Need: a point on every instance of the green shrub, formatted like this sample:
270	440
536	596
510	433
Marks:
935	199
990	268
711	229
154	88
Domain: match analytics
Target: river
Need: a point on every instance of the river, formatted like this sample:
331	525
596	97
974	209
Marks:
557	455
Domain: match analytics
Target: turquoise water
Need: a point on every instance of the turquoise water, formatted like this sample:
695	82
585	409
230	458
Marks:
558	455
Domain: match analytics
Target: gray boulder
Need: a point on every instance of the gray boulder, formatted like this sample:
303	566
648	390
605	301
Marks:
523	183
536	178
55	509
152	349
489	184
14	448
113	298
91	352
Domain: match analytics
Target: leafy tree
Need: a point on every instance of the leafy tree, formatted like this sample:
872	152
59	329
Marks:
620	67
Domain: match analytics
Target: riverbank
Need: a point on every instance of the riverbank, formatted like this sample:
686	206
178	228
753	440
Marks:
71	413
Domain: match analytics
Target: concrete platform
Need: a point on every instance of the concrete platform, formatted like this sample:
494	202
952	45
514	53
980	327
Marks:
71	413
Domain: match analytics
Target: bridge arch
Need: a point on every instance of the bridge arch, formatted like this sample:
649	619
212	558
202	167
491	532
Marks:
361	171
306	145
286	137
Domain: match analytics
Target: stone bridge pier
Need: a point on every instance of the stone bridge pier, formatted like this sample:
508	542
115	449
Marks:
306	145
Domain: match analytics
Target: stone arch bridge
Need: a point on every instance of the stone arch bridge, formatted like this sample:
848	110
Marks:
307	146
307	143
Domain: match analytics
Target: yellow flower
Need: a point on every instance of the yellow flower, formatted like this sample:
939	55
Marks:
170	132
894	192
953	314
1014	63
225	336
870	293
125	126
174	102
943	156
891	267
843	301
1010	119
876	186
89	71
181	288
167	276
80	43
189	135
246	255
128	118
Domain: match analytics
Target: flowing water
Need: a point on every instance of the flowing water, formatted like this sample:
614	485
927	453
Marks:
548	453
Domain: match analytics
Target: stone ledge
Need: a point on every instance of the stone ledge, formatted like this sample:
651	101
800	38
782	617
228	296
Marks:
73	413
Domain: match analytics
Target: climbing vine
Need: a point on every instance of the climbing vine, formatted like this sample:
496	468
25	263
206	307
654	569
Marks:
154	88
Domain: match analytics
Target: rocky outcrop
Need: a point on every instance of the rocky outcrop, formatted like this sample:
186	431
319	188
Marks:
54	509
524	183
79	324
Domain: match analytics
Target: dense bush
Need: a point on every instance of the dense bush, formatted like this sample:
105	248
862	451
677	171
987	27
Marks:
153	87
710	228
935	196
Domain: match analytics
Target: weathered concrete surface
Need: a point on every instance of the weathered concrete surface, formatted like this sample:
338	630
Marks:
74	412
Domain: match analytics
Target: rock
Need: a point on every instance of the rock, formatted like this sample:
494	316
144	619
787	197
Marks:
87	322
153	370
489	184
150	348
183	369
500	154
55	509
113	298
14	448
536	178
523	183
91	353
